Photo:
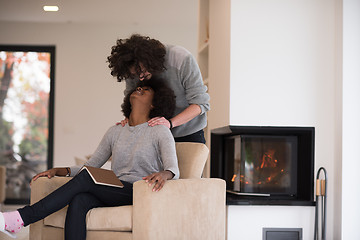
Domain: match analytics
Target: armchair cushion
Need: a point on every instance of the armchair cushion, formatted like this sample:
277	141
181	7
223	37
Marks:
105	219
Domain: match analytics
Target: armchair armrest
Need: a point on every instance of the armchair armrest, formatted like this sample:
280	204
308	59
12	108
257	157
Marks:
44	186
182	209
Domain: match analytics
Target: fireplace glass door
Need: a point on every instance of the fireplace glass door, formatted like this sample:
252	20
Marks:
261	164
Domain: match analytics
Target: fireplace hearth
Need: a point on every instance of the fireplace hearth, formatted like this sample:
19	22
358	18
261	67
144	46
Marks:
265	165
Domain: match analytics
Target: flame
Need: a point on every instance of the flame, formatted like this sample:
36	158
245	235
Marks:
268	159
265	170
233	178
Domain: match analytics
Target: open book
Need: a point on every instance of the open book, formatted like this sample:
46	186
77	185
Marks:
103	176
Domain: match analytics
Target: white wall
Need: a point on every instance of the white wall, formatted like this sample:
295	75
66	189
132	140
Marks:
247	222
87	97
283	73
351	120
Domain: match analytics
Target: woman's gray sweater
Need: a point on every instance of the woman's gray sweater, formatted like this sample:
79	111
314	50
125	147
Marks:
136	152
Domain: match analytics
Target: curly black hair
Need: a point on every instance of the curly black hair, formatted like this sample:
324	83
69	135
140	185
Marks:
134	50
163	100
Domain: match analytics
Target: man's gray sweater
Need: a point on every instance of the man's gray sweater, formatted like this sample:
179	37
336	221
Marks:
183	75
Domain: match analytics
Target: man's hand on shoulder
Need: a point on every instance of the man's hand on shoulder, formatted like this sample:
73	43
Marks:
122	122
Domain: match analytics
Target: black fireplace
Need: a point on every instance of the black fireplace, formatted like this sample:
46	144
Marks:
265	165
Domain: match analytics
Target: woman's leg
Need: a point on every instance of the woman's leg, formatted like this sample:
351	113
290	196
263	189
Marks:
100	196
82	183
57	199
75	222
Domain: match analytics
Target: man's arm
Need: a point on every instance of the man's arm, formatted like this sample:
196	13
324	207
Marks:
188	114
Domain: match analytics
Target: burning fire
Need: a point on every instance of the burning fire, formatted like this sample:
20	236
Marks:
268	159
269	170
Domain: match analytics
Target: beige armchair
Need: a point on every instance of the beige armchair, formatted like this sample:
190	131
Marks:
190	208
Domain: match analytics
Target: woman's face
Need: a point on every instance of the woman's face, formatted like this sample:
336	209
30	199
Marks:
143	75
143	94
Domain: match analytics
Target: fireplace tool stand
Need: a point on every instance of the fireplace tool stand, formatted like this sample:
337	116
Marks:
321	192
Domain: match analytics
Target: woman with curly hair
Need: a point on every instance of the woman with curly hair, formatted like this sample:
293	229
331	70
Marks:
138	152
140	58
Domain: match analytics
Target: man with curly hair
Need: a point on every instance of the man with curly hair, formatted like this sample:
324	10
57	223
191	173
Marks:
140	58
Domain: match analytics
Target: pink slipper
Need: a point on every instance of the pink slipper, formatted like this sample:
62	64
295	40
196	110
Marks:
2	227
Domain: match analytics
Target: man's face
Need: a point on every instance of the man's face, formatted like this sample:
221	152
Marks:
143	75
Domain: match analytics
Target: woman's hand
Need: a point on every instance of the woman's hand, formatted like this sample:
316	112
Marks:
49	173
159	121
123	122
158	179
